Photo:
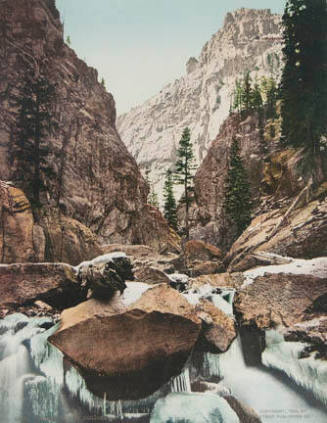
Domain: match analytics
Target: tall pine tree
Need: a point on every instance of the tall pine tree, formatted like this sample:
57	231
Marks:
237	202
170	208
304	80
29	146
184	173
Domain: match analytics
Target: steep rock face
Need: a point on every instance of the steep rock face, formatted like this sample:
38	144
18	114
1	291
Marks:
300	234
249	40
60	238
97	181
207	219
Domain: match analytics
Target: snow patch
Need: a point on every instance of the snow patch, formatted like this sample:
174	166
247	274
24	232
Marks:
315	267
105	258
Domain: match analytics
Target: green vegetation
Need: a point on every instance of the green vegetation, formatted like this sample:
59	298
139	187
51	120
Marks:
237	203
184	173
29	147
304	80
170	208
68	40
153	196
257	96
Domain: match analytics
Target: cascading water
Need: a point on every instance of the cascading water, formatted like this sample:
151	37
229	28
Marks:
271	396
37	386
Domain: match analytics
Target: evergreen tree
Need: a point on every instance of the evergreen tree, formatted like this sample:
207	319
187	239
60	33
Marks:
256	100
237	104
170	208
153	198
271	98
304	79
68	40
103	83
29	140
237	202
247	93
184	173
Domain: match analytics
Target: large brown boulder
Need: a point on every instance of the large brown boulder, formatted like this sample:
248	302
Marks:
23	284
281	299
201	258
138	346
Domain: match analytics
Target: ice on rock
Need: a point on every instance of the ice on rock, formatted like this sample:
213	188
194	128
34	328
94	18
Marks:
105	258
310	373
193	408
134	292
315	267
220	297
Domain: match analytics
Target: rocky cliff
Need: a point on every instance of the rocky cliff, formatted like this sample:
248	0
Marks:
97	182
249	40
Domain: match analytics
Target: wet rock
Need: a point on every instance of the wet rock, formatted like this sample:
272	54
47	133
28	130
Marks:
162	329
218	328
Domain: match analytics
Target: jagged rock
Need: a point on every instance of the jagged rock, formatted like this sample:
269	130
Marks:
55	238
201	258
148	265
55	284
69	241
218	328
200	251
151	275
16	226
207	215
162	329
249	40
280	299
96	182
106	274
302	235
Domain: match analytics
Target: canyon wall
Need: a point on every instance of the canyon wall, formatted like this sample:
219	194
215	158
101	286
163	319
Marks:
250	40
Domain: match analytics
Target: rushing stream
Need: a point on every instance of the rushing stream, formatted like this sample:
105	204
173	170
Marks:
37	386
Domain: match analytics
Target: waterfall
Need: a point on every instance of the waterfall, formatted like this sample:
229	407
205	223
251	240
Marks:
270	395
35	386
181	383
307	372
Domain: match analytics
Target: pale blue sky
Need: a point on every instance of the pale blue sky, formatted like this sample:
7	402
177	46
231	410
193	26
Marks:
138	46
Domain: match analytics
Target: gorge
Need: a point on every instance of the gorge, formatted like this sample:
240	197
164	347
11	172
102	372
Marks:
106	312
